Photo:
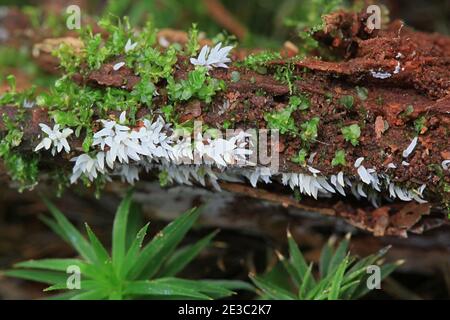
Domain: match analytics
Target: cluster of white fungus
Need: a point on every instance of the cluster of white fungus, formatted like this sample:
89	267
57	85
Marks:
380	74
445	164
370	186
55	139
122	151
130	45
216	57
153	145
89	166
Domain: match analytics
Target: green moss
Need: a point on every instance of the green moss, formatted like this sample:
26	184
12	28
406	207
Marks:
112	99
259	60
260	92
300	158
226	124
96	53
163	177
285	74
69	60
446	187
298	195
14	98
144	90
362	93
154	65
235	76
299	102
22	169
119	31
69	104
347	101
169	113
192	46
309	130
339	158
282	121
351	134
13	138
419	124
87	142
197	85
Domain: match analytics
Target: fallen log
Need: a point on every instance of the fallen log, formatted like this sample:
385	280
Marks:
393	85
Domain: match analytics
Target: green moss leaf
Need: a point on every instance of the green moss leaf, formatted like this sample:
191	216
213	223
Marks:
339	158
351	134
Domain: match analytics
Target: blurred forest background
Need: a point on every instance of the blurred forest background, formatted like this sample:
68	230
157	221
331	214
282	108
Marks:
248	237
266	23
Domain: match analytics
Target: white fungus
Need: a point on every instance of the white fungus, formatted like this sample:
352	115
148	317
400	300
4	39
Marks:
216	57
391	166
380	74
54	137
410	148
445	164
123	151
358	162
118	65
129	46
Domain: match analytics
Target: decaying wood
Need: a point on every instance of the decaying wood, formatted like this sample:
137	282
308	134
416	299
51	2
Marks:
418	67
394	219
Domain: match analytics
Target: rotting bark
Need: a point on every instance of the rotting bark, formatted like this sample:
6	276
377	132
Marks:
422	81
394	219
